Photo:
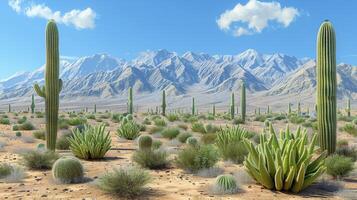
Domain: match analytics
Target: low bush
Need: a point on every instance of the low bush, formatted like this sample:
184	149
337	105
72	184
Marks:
172	117
194	158
40	134
4	121
155	129
39	159
170	133
129	130
350	129
198	127
152	159
338	166
182	137
126	182
160	122
211	128
208	138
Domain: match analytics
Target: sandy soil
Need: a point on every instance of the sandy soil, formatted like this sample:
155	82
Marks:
172	183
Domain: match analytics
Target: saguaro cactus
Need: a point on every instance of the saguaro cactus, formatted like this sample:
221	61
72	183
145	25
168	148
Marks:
326	86
289	108
348	108
232	106
163	103
193	106
299	108
130	101
53	85
95	108
242	101
214	110
9	109
33	104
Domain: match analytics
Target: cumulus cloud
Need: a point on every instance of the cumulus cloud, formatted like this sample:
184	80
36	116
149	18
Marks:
255	16
81	19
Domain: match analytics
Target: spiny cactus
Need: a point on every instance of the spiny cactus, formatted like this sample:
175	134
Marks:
145	143
226	184
289	108
348	108
232	106
9	109
299	108
214	110
326	86
243	102
33	104
286	163
163	106
268	109
68	170
95	108
258	111
192	141
193	106
130	101
53	85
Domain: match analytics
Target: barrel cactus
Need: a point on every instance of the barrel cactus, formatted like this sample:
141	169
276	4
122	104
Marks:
226	184
286	163
53	85
326	86
67	170
145	143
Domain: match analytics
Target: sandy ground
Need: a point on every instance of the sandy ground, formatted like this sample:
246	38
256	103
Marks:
172	183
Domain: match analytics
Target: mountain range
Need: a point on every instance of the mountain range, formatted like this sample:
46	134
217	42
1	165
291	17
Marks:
105	76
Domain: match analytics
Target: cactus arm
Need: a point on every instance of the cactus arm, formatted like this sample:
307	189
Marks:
60	85
40	92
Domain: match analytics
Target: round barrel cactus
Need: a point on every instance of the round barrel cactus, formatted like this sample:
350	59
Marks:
192	141
226	183
67	170
145	143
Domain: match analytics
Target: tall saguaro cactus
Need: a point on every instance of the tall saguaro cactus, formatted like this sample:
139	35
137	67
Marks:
299	108
348	108
33	104
193	106
163	106
9	109
214	110
130	101
53	85
289	108
326	86
232	106
95	108
243	101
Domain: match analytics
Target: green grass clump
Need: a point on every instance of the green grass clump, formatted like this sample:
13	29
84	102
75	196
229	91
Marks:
182	126
129	130
125	182
92	143
211	128
5	170
75	121
170	133
198	127
62	142
350	129
27	126
208	138
182	137
347	151
146	121
18	134
172	117
22	120
40	134
237	121
67	170
338	166
194	158
344	118
155	129
156	144
260	118
4	121
160	122
90	116
295	119
151	159
230	144
39	159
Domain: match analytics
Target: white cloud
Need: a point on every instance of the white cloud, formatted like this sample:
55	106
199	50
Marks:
81	19
254	17
15	5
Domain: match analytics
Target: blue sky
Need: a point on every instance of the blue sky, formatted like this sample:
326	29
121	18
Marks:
127	27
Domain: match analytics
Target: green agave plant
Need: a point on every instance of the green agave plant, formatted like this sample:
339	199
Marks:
91	143
286	163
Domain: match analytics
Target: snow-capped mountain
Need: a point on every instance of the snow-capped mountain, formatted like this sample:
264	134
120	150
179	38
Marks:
103	75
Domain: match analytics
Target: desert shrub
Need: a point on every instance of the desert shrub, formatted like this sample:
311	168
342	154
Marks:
198	127
192	141
192	119
92	143
75	121
344	118
4	121
22	120
351	129
170	133
5	170
105	116
155	129
146	121
40	134
172	117
39	159
63	124
260	118
129	130
156	144
11	173
40	115
208	138
62	142
226	184
116	118
18	134
99	120
27	126
194	158
126	182
295	119
67	170
341	143
160	122
210	117
211	128
230	144
338	166
15	127
279	117
345	150
90	116
182	137
152	159
182	126
237	121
